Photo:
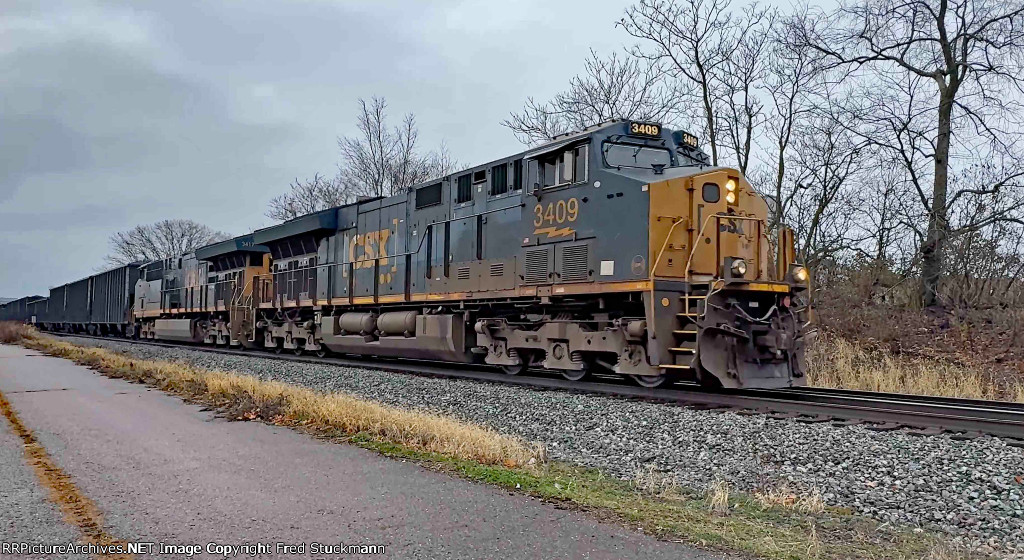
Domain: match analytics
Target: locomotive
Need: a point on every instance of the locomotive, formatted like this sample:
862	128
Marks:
615	249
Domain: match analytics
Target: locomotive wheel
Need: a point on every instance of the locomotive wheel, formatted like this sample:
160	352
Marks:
575	374
516	369
578	374
298	350
278	349
322	353
649	381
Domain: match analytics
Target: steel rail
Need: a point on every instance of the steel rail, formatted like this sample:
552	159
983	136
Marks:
883	411
937	399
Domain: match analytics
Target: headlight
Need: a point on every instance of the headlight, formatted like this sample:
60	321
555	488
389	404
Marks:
800	274
739	267
730	197
730	185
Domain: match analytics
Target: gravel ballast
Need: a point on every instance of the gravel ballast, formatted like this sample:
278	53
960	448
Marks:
971	489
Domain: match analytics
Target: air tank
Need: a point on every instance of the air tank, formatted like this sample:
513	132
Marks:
398	323
357	323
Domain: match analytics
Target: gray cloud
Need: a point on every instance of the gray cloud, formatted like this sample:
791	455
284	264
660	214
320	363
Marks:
113	114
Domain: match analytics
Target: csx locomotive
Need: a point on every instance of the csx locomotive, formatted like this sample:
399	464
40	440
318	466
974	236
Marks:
615	249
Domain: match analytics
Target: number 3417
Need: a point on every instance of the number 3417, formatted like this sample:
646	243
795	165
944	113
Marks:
556	212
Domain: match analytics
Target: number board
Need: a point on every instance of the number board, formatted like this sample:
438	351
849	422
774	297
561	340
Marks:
648	130
689	140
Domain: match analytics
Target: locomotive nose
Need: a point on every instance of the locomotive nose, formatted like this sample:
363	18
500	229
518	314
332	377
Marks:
708	226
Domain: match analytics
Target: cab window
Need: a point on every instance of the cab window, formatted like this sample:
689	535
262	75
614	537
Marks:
637	156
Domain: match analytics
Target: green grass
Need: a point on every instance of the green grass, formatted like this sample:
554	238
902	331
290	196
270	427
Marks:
774	532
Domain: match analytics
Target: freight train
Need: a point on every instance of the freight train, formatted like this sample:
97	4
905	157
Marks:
615	249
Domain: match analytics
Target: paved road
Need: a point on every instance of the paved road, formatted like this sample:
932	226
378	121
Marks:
26	515
165	471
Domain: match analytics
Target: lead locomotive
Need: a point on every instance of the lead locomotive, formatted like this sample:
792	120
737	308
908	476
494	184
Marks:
617	248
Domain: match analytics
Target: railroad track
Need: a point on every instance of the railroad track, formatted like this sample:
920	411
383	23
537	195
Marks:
919	415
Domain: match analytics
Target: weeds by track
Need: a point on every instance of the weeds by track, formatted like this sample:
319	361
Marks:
921	415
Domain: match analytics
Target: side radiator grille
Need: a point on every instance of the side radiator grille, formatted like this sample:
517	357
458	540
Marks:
575	263
536	266
497	269
462	273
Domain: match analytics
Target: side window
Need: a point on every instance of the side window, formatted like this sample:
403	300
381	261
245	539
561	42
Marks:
547	172
517	174
465	190
563	169
499	179
560	168
580	160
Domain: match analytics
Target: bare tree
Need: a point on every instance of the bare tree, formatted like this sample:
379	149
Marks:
306	197
794	80
383	161
743	76
164	239
609	88
829	159
880	212
694	39
969	51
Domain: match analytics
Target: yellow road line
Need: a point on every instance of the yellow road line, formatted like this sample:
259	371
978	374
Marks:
77	508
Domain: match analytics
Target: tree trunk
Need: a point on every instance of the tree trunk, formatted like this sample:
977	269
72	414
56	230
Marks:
711	129
780	176
709	116
938	224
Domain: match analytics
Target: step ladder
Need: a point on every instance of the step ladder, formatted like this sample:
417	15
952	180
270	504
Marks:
684	336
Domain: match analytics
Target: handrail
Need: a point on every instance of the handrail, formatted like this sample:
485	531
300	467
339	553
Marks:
654	268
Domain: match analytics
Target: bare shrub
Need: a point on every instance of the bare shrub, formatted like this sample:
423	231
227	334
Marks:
785	497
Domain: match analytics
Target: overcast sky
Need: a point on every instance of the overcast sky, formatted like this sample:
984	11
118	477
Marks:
116	114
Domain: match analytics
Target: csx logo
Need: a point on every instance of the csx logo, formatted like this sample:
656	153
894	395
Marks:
731	226
364	248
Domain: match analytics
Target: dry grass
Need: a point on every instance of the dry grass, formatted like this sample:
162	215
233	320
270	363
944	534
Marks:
248	398
947	551
12	333
649	480
835	362
784	497
718	497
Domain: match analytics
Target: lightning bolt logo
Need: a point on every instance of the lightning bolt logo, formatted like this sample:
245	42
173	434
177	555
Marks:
554	232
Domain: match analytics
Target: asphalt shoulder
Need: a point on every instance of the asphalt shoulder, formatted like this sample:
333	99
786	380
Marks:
165	471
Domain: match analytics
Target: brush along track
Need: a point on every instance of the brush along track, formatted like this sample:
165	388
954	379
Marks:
922	415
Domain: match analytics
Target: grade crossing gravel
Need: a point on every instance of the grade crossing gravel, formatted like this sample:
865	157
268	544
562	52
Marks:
973	490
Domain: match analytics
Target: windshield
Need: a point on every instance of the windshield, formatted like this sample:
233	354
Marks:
632	155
